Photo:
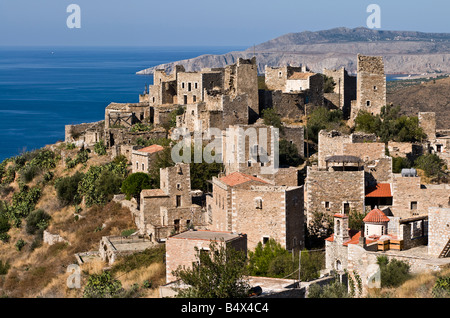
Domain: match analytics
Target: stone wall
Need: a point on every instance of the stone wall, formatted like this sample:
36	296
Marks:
181	252
86	134
287	105
371	85
438	229
331	144
344	90
328	191
427	121
410	198
279	215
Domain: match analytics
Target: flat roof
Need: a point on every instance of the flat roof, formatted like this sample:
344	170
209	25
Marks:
206	235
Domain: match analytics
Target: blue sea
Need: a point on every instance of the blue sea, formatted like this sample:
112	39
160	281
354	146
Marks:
42	89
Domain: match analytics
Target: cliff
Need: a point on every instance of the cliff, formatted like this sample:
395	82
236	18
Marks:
404	52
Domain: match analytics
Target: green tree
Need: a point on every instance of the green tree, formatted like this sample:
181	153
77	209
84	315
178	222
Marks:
311	264
323	118
271	118
355	219
399	163
367	122
328	84
319	228
432	165
102	286
134	184
288	154
260	260
218	273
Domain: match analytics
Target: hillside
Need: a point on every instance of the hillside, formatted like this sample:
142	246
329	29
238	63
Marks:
404	52
37	269
424	96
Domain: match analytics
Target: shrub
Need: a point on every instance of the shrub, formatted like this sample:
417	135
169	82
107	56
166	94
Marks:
37	221
20	244
4	267
100	148
100	183
266	260
334	290
393	272
135	183
28	172
67	189
102	286
4	224
442	287
219	273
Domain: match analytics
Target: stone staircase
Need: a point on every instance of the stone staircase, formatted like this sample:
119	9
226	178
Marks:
445	251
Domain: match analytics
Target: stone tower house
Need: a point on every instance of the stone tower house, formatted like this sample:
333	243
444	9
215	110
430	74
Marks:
371	85
176	183
242	78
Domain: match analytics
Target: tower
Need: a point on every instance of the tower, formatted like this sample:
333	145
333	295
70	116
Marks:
341	228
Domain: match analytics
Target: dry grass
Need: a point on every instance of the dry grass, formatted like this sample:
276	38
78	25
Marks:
42	272
418	286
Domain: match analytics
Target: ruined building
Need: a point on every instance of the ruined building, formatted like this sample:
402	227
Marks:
169	209
289	89
366	91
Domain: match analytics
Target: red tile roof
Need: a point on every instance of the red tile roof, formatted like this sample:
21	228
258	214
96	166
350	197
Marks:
376	216
381	190
340	215
354	238
152	149
300	76
236	178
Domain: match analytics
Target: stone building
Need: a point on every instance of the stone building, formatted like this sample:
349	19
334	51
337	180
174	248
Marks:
290	89
251	148
182	249
371	85
169	209
365	92
239	202
141	159
230	91
331	192
439	232
412	198
344	90
87	134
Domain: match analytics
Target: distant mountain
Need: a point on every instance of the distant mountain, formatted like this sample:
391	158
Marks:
404	52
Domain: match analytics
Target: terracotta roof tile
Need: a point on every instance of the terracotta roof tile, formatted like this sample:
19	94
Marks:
236	178
300	76
381	190
376	216
152	149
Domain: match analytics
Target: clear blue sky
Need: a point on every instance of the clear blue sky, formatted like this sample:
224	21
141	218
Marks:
203	22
